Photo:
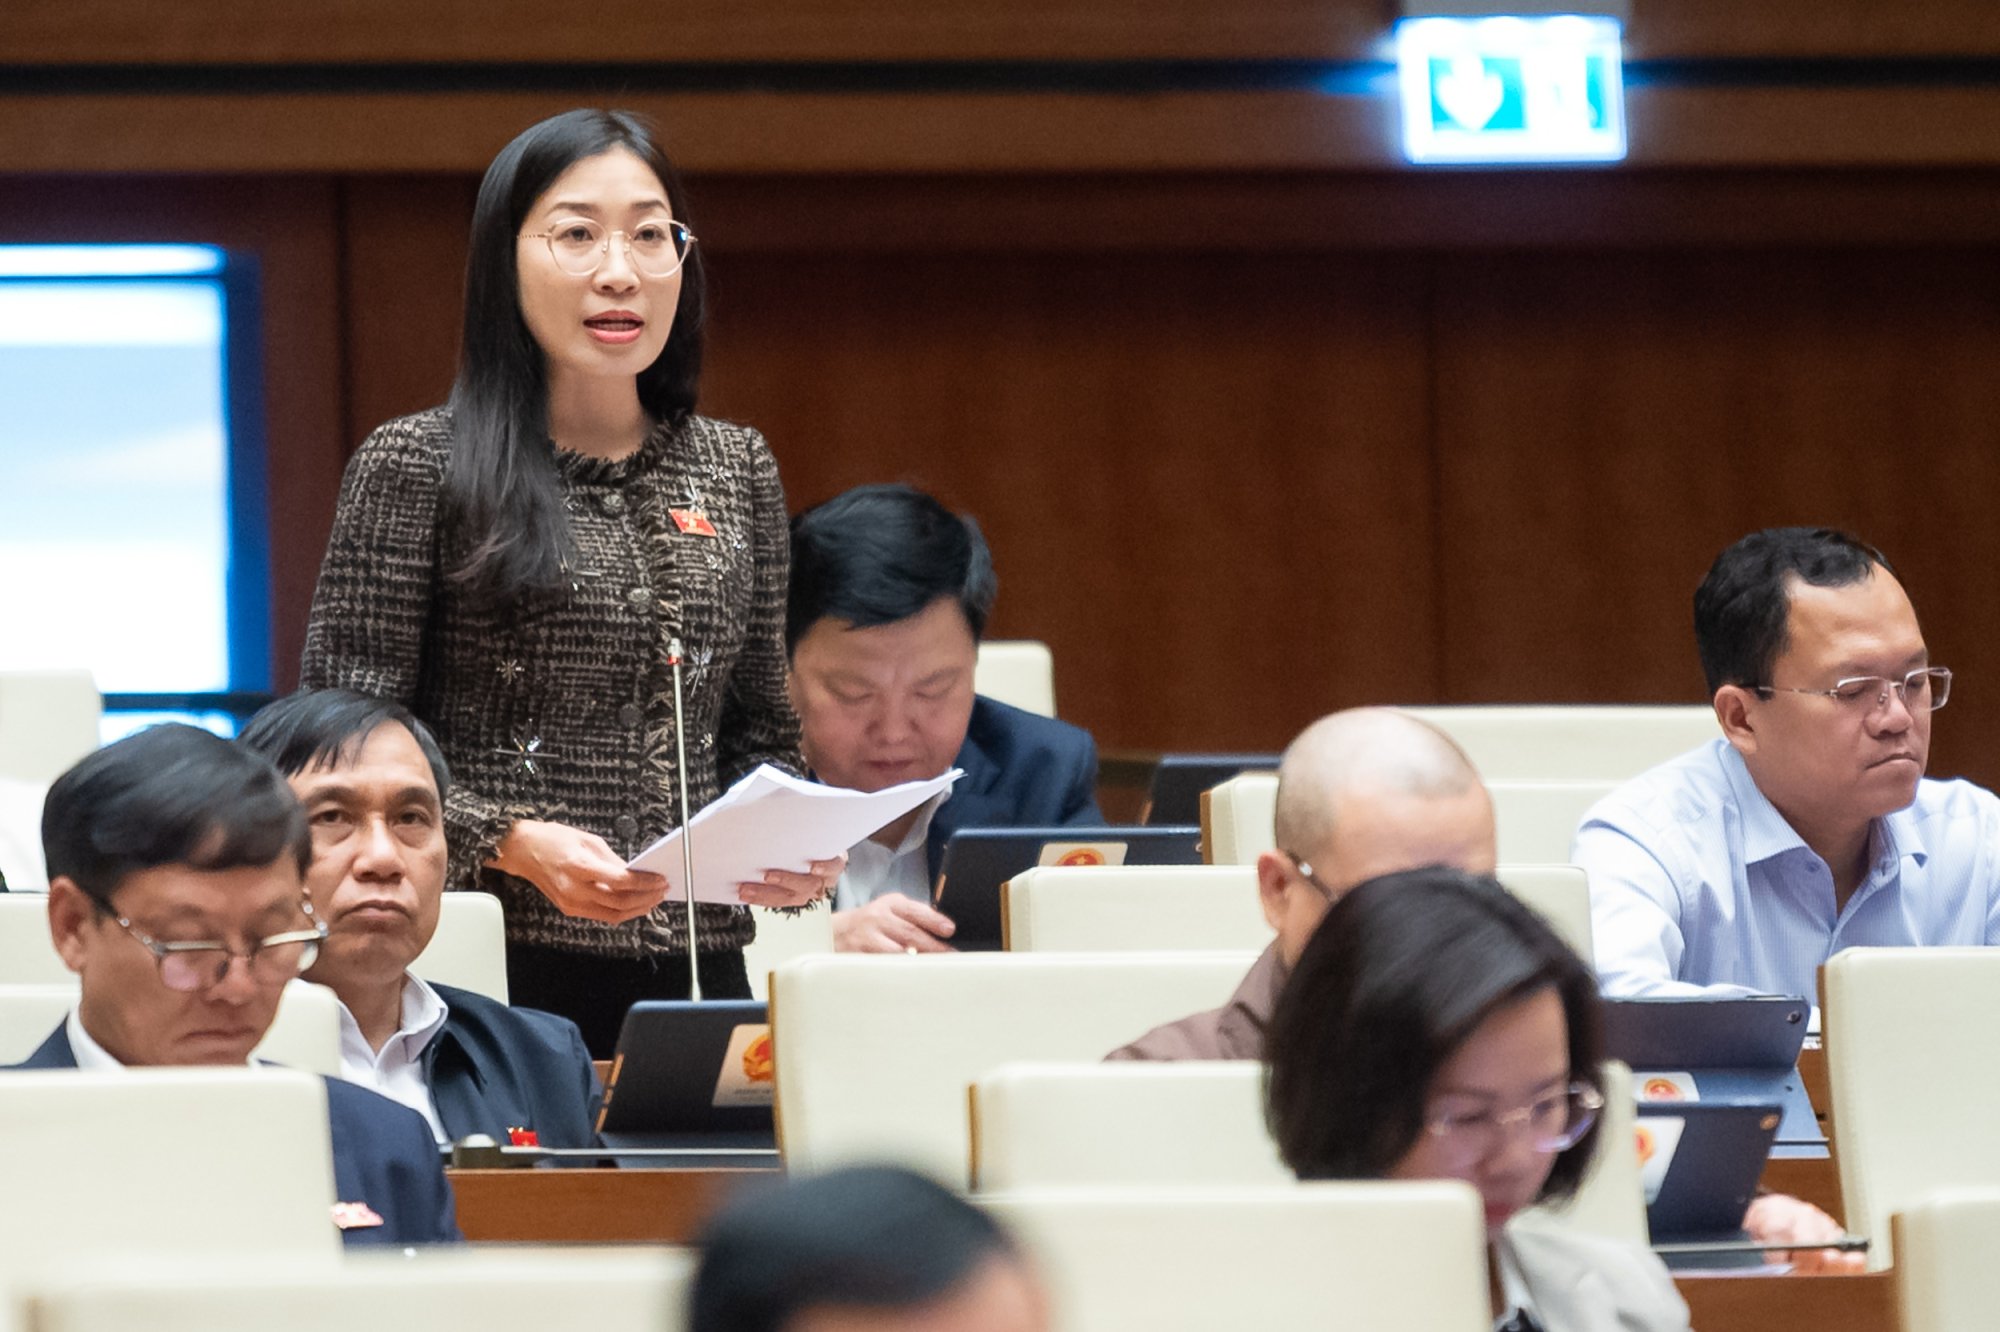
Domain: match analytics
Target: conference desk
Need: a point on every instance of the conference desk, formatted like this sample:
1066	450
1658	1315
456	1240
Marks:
669	1207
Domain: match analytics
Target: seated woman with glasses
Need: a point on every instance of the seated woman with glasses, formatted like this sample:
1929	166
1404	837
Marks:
525	568
1435	1028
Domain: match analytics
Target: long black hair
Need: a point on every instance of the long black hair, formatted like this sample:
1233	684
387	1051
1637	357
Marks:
500	486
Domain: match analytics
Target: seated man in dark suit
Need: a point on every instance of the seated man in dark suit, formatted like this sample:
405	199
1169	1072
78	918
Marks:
372	781
890	592
177	894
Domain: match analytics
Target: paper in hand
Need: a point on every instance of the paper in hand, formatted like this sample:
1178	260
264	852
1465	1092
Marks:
773	820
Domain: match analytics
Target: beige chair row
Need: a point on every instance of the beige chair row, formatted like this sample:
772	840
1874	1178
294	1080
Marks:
48	720
517	1289
1571	742
469	949
1020	672
1536	821
305	1034
1166	908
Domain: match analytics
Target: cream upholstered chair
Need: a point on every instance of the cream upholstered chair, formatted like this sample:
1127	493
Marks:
875	1054
1202	1124
1018	671
1116	908
1560	895
176	1163
48	720
469	949
1409	1256
1946	1279
21	863
1122	908
1915	1071
512	1289
304	1036
782	936
27	954
1571	741
1237	819
1536	821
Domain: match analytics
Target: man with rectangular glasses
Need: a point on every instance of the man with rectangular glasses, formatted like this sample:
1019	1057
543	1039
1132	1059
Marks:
1807	826
177	894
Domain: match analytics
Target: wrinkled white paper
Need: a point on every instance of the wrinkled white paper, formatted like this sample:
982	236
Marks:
773	820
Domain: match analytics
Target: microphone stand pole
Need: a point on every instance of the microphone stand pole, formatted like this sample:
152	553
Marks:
674	656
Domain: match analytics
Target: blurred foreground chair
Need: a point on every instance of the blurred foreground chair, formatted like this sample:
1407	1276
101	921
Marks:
1409	1256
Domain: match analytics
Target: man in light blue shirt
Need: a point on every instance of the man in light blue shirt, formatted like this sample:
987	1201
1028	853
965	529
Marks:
1807	827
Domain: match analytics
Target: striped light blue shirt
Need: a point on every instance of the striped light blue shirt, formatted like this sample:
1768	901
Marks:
1698	885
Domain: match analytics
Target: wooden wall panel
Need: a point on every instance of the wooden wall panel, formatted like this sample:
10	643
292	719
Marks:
1204	477
1606	424
230	32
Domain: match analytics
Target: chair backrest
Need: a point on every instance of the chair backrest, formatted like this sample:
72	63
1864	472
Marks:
1202	1125
512	1289
304	1036
874	1054
1126	908
1237	819
1571	741
1915	1071
180	1162
48	720
1165	908
21	862
1017	671
1946	1279
1411	1256
1560	895
27	955
1536	821
469	949
782	936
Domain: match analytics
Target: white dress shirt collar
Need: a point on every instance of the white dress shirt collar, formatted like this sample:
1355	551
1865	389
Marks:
397	1069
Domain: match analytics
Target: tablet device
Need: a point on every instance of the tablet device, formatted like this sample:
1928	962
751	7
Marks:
1743	1049
695	1077
1699	1164
978	860
1179	780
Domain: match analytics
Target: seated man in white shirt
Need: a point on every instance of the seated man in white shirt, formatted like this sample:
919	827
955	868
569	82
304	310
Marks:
372	782
889	595
177	895
1808	826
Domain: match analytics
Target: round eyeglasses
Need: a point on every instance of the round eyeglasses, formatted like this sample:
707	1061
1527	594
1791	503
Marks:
580	246
1554	1122
1925	689
187	967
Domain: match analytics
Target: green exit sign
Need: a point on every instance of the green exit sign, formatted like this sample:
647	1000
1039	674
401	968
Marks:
1511	89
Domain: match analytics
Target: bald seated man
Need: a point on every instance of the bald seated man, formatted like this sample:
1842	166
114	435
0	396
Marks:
1364	793
1361	793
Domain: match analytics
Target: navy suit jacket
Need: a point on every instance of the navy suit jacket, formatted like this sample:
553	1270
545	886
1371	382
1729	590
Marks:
1022	770
494	1068
383	1155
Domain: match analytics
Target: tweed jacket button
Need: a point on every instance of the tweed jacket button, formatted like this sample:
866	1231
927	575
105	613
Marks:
638	596
613	504
631	714
625	826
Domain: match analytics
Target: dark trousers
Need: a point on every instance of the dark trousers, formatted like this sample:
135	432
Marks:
594	992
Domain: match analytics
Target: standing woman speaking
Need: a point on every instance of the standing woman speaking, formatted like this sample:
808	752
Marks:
513	566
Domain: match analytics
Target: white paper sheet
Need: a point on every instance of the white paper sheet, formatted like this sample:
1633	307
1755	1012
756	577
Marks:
773	820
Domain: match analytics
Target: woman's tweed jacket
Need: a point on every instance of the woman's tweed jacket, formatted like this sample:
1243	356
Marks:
560	705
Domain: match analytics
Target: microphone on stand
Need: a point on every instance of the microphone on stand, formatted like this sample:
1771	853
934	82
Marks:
674	657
